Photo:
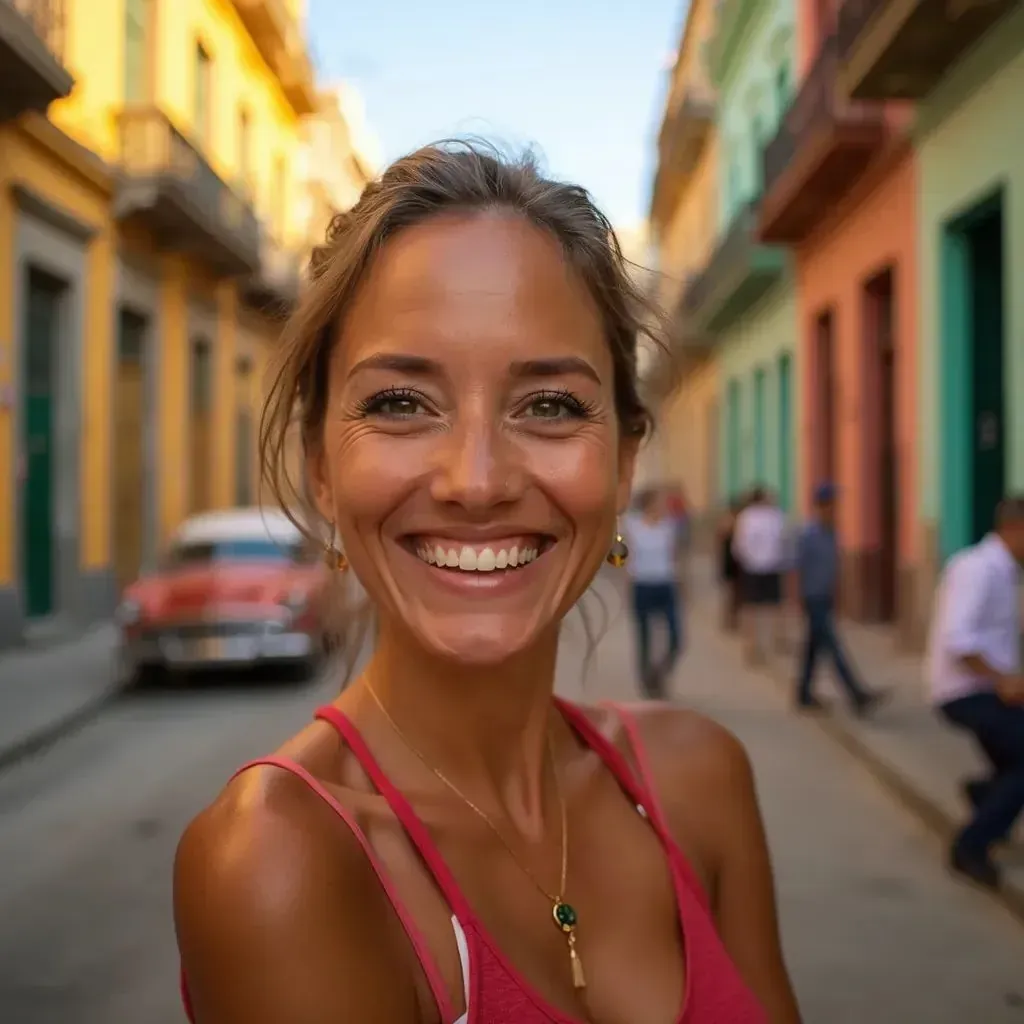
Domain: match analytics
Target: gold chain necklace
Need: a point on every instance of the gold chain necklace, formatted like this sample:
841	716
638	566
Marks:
563	914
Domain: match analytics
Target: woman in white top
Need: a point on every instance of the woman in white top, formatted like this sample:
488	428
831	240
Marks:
652	536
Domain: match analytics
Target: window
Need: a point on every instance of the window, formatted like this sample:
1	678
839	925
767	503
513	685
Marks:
245	149
279	212
201	97
758	147
783	87
202	377
136	51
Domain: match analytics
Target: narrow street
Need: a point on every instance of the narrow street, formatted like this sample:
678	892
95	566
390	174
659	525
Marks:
875	931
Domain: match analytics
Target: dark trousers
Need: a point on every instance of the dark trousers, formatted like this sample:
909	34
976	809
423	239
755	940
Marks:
651	602
998	728
821	639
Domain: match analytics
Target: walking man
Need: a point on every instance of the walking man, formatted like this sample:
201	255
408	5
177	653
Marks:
974	669
817	566
759	546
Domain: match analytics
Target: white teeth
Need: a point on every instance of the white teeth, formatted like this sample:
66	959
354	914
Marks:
467	559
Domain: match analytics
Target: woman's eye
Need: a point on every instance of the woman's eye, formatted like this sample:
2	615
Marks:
556	407
393	406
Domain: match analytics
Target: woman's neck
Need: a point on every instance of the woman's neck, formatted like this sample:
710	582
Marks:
486	728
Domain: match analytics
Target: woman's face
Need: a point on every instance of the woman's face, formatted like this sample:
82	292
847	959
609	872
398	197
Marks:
472	459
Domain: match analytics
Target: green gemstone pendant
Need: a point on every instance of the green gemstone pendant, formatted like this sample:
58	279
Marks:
566	919
565	916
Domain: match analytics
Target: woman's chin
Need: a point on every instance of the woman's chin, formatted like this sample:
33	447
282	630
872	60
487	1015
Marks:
477	640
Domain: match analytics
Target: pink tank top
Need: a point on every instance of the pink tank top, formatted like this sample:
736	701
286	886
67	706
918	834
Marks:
497	992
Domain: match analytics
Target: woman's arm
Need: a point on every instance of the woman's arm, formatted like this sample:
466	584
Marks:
280	918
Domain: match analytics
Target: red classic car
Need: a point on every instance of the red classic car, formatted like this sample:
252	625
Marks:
237	588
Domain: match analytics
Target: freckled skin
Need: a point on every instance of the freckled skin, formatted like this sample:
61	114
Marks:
477	296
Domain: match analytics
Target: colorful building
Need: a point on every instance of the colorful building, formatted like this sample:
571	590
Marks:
840	190
964	68
149	243
742	300
684	228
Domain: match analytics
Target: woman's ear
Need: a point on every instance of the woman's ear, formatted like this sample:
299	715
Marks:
320	491
629	449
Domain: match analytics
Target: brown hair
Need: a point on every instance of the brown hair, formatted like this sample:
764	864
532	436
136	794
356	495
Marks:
448	177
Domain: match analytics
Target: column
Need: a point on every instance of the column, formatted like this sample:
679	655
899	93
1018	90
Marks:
172	469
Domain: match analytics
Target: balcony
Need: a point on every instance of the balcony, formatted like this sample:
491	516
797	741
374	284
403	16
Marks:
274	287
169	186
688	123
739	272
900	49
731	23
275	32
32	72
822	147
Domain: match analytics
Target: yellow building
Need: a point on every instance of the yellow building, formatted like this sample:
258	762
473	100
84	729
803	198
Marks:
683	229
151	231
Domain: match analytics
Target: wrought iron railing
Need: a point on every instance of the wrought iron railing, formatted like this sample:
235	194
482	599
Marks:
854	16
151	146
732	252
48	21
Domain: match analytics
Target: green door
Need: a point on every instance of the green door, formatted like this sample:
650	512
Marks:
785	433
759	427
42	307
732	440
988	455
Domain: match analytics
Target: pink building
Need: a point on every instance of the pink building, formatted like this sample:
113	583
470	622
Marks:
840	189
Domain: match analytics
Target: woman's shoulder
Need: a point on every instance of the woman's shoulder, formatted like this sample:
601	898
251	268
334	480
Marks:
250	877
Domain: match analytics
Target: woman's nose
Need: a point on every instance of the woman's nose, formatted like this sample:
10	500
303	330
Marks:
477	467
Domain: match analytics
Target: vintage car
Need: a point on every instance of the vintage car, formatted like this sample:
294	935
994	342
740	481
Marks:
237	589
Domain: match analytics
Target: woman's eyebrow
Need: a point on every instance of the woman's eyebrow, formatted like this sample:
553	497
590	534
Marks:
418	366
555	367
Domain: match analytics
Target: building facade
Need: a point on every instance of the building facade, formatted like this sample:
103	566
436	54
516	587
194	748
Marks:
964	70
743	298
149	245
840	190
684	227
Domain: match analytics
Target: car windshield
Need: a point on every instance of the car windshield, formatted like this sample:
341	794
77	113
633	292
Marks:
248	550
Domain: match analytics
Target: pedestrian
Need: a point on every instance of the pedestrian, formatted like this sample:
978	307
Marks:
759	546
729	568
817	570
448	841
974	670
652	536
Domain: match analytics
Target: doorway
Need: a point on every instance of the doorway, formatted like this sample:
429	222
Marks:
973	413
825	463
245	442
883	517
201	402
43	300
785	432
733	441
760	427
130	455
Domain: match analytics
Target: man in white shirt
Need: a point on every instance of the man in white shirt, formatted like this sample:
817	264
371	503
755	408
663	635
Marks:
974	673
759	547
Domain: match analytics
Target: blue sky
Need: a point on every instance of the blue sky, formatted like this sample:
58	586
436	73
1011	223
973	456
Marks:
583	80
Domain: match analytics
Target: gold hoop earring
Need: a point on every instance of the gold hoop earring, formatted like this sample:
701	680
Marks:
619	553
334	557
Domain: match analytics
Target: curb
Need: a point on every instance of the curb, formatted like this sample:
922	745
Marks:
928	811
46	736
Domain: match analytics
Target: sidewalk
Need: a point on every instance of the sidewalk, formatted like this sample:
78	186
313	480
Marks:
44	692
905	745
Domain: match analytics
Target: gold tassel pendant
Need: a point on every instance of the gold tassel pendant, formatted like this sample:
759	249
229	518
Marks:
578	979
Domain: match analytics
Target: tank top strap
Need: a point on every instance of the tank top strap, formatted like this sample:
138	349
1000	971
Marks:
415	936
402	809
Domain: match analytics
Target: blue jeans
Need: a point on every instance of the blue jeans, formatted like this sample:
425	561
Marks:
653	601
820	639
998	728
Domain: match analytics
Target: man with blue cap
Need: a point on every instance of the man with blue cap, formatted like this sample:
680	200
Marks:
817	565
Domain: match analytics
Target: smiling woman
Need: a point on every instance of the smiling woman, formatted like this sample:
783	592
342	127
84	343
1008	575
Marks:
463	373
